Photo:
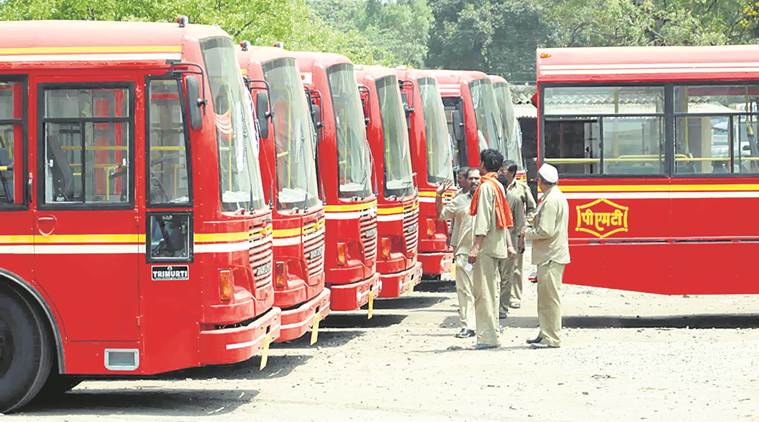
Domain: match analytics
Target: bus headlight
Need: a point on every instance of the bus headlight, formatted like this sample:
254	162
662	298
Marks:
226	285
342	257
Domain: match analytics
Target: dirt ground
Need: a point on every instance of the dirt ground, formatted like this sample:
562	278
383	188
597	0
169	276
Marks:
625	356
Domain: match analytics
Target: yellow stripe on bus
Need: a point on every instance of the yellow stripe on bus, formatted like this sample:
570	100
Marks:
74	238
279	233
221	237
661	188
93	49
351	207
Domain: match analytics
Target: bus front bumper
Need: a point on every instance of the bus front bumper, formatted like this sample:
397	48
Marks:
236	344
396	284
352	296
435	263
297	321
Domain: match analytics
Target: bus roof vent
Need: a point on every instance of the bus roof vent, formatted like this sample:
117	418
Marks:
183	21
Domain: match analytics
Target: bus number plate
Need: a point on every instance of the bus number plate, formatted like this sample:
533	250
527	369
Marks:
168	273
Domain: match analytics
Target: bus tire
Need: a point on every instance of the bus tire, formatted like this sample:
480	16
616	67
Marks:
26	351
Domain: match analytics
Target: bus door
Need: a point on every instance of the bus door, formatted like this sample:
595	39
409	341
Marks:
87	231
15	219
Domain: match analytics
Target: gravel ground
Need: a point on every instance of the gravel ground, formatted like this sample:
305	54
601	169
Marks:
625	356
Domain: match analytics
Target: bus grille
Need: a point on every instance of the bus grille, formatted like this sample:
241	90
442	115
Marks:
411	226
368	229
260	254
313	247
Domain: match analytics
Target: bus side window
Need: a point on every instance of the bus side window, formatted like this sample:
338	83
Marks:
87	143
169	175
11	143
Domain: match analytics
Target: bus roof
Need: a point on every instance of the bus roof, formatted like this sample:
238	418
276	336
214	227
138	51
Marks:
632	64
449	81
495	79
375	72
308	59
257	54
92	41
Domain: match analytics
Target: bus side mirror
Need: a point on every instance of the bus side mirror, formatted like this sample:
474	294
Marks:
316	111
458	125
194	102
262	114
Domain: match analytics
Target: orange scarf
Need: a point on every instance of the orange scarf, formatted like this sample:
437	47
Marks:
503	219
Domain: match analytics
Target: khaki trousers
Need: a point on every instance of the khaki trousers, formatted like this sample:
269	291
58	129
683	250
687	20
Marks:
464	292
487	283
549	303
507	280
516	279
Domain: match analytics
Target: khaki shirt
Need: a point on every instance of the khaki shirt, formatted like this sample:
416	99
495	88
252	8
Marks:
495	243
549	234
457	210
522	206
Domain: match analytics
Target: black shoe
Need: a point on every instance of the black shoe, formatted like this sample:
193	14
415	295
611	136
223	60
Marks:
535	340
465	333
503	315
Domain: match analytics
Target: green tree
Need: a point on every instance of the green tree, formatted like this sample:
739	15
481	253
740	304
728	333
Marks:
262	22
398	30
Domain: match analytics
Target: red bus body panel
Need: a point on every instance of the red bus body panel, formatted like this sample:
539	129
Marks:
435	254
679	234
352	223
88	267
300	293
397	220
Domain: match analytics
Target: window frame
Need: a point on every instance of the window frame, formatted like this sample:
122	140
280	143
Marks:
669	116
41	138
188	151
24	122
190	258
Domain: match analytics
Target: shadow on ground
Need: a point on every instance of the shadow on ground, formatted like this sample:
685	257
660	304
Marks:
327	338
695	321
355	320
436	286
409	302
142	402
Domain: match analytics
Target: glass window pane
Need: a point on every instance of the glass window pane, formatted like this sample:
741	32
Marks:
106	167
702	145
633	145
63	166
573	146
603	100
398	179
746	145
168	156
11	100
169	236
720	99
85	103
11	157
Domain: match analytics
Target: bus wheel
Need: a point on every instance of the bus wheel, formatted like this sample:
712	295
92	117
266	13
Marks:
26	353
56	385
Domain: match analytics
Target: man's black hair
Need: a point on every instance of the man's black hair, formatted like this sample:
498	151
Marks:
510	166
491	160
469	171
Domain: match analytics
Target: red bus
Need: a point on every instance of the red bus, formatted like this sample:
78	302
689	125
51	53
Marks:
288	145
397	204
345	170
657	153
474	120
432	163
511	130
114	258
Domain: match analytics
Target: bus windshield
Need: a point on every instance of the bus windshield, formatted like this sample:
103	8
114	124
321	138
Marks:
439	162
511	130
398	180
353	154
294	136
489	126
239	173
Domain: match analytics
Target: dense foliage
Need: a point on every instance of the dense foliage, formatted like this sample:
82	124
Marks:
496	36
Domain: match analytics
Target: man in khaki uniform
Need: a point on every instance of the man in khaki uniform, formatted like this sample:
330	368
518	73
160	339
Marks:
457	210
550	252
491	248
522	205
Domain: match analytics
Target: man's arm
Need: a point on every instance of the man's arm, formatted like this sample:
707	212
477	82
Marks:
481	221
530	205
439	202
545	225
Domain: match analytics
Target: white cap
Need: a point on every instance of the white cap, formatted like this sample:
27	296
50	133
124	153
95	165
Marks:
549	173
